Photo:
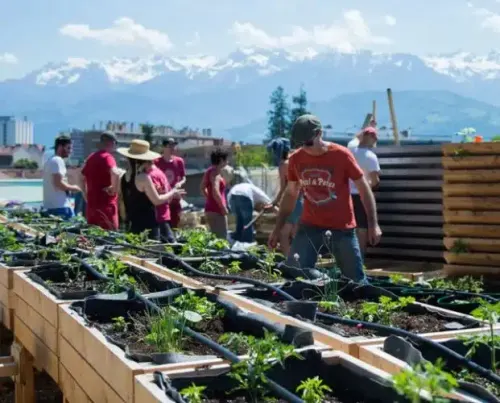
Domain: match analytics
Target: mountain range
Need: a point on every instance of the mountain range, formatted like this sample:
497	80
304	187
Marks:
438	94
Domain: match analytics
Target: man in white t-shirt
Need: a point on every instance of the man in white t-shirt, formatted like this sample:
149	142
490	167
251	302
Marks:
368	162
55	184
243	199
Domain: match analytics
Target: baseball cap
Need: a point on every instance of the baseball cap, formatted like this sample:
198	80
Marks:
304	129
108	135
61	140
169	142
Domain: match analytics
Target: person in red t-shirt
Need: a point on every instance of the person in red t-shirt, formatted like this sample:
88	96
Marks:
99	179
321	170
174	169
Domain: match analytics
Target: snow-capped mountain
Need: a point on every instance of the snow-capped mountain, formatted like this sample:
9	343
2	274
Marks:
232	91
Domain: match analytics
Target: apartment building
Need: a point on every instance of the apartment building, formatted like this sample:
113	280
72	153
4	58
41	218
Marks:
15	131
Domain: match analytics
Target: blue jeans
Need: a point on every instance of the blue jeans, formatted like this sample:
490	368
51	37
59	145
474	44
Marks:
64	212
342	244
242	208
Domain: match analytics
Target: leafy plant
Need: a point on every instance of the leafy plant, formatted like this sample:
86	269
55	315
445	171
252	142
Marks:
263	354
425	377
198	242
399	279
465	283
383	310
116	271
460	246
313	390
490	313
119	324
212	266
8	240
193	393
268	264
137	239
191	302
234	267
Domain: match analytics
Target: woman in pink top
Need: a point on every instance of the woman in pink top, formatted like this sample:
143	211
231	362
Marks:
146	192
213	188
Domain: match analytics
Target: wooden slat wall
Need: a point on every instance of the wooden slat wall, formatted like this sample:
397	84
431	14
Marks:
471	194
409	203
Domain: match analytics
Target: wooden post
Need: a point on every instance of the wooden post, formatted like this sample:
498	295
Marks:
25	378
395	130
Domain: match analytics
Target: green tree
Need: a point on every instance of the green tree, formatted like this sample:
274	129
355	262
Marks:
148	131
25	163
299	105
278	114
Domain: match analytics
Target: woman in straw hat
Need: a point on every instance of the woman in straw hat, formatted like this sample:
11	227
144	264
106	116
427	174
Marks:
146	192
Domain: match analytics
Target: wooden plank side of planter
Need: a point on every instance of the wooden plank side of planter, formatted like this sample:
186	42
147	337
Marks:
105	360
44	357
37	297
475	190
487	148
472	231
472	162
7	301
164	271
474	244
465	270
81	381
479	259
72	392
471	217
472	176
472	203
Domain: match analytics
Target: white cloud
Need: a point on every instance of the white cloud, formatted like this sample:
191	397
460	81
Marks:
124	31
490	20
346	35
195	41
390	20
8	58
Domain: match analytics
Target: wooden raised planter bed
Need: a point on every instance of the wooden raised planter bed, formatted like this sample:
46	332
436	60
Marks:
349	345
86	350
148	392
7	295
37	321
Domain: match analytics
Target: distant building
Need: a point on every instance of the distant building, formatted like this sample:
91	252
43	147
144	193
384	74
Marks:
86	142
15	131
32	152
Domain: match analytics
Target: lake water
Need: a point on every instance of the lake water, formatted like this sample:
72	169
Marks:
25	190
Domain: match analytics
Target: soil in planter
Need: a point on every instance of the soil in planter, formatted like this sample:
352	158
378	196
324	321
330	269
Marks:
46	390
77	285
255	274
467	376
415	323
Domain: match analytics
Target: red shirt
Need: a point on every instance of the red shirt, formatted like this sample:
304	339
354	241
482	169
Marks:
173	169
324	180
97	172
211	205
162	186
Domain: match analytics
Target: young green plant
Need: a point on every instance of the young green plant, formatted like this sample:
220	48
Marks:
313	390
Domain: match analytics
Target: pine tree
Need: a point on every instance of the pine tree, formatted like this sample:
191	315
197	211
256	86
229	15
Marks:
148	131
278	115
300	105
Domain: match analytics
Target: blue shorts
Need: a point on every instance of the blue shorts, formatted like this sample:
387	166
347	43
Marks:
64	212
297	211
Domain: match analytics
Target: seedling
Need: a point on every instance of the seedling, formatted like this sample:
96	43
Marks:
263	354
491	314
234	267
115	270
399	279
137	239
269	265
8	240
119	324
212	267
198	242
193	393
383	310
425	377
459	246
201	305
465	283
313	390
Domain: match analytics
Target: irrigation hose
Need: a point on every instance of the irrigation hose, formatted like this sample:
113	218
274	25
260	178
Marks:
488	374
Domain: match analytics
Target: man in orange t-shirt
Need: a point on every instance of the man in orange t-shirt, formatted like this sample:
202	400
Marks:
321	170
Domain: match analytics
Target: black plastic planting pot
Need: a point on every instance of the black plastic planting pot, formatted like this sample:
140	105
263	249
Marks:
49	274
412	353
101	309
348	383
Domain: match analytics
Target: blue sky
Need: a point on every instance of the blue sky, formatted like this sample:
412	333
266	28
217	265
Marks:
36	32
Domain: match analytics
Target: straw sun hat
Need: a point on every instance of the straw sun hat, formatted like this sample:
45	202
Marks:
138	150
